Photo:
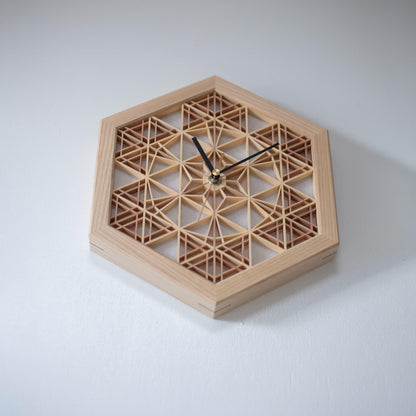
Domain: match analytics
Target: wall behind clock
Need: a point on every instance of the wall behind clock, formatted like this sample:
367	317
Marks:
79	336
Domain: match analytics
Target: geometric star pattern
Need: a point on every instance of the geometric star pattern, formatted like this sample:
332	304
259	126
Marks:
258	210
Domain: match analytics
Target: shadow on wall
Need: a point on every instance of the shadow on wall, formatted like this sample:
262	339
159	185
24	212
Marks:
375	198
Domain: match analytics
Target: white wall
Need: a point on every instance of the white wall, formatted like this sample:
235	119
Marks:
79	336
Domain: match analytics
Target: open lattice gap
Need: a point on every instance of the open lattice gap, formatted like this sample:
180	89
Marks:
261	209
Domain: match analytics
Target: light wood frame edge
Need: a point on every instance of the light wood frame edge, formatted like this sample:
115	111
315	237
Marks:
213	300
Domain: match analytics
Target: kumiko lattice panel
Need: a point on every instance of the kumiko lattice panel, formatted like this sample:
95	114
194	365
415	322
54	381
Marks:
213	194
217	230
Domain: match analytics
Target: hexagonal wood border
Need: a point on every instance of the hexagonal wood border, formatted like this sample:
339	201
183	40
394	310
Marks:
213	299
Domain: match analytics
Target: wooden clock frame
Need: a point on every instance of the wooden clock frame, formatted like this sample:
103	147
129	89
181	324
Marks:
213	299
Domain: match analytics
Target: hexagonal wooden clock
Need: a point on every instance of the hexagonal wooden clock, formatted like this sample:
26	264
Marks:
213	194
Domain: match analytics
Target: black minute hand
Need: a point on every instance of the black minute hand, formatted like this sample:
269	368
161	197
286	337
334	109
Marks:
203	154
249	157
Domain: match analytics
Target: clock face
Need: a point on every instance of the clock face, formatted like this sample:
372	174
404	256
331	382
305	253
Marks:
163	198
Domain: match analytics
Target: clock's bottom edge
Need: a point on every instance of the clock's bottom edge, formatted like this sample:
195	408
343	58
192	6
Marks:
267	285
212	309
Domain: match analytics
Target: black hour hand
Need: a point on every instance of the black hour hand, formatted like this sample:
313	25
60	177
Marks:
203	154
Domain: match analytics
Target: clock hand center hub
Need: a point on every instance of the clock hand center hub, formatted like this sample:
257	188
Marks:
215	176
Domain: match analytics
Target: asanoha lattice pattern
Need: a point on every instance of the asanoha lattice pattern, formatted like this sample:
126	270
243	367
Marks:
258	210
